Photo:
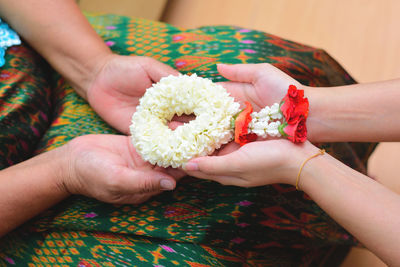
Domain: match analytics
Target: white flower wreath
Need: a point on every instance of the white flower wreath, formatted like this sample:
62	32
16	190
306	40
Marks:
183	94
217	118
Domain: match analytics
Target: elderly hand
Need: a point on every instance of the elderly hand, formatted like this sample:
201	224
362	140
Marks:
106	167
116	88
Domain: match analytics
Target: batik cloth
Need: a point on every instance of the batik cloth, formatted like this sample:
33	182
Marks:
201	223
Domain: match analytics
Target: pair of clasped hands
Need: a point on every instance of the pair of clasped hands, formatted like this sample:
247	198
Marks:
114	91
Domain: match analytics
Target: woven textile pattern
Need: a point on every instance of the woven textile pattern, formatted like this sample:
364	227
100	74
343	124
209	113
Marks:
201	223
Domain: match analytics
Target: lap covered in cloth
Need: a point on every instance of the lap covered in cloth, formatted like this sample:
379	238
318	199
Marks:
201	223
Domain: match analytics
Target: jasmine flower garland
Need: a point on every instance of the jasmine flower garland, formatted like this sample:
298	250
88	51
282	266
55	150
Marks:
209	102
266	122
287	119
218	119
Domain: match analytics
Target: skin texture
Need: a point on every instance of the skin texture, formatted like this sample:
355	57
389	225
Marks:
112	85
361	205
120	83
105	167
342	113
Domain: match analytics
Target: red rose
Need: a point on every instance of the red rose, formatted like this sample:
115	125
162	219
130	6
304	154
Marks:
297	133
294	105
241	126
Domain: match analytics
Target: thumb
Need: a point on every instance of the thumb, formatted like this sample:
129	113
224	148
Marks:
147	181
245	73
226	165
156	70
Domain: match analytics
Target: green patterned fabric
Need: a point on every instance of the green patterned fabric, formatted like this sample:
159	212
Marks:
201	223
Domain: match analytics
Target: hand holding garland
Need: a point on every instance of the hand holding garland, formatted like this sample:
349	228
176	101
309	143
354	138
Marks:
262	85
364	207
105	167
112	84
361	205
360	112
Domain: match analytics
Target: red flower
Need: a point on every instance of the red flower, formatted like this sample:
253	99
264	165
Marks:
294	105
246	138
241	126
297	133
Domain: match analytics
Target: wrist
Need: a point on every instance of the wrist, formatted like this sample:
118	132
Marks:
62	169
302	155
316	122
81	72
288	167
314	170
332	116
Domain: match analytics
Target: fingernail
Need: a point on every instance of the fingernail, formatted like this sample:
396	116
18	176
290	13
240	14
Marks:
191	166
166	184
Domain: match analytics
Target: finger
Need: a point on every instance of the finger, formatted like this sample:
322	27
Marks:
174	124
225	165
222	179
242	92
180	120
184	118
237	90
176	173
156	70
228	148
124	119
134	181
136	198
245	73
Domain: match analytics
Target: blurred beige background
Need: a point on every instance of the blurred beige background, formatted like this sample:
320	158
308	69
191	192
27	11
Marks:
149	9
362	35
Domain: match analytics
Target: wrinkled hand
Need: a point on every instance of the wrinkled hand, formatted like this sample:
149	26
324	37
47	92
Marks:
107	167
119	84
260	84
254	164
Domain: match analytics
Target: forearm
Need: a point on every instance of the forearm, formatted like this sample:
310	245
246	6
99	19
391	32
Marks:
362	112
61	34
361	205
29	188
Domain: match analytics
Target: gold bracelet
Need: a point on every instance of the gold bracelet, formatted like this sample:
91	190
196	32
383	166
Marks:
320	152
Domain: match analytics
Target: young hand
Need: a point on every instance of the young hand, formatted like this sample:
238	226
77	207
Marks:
260	84
107	167
254	164
263	85
121	81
